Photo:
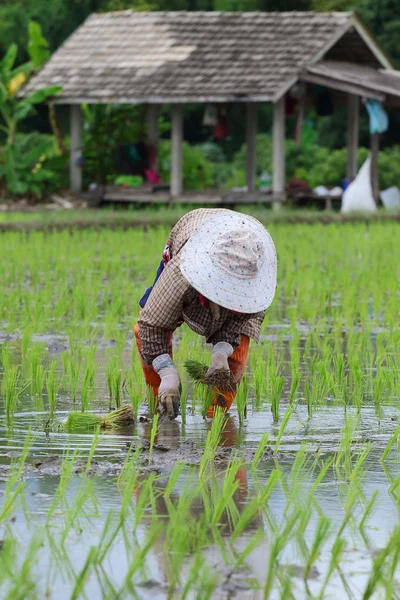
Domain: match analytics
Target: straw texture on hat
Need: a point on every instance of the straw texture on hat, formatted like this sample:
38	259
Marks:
231	260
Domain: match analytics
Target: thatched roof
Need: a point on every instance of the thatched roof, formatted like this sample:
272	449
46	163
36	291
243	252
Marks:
137	57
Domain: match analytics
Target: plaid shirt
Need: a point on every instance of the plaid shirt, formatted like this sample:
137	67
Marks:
173	301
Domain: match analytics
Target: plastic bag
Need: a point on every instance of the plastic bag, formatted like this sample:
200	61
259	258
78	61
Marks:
358	196
391	197
378	119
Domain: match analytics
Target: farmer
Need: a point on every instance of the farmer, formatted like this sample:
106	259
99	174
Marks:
217	275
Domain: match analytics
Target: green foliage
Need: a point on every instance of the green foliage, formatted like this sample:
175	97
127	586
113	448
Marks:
389	167
106	128
331	5
197	171
38	47
317	165
383	18
23	164
129	180
22	157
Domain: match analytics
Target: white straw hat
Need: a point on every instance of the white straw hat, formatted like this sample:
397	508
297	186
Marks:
231	260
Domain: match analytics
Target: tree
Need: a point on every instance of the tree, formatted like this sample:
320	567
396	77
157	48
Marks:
383	17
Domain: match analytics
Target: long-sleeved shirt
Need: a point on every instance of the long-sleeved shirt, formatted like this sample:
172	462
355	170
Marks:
173	301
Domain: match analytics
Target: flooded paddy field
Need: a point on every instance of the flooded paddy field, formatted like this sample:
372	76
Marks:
297	497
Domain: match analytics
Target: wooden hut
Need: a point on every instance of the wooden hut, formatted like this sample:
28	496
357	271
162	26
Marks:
176	58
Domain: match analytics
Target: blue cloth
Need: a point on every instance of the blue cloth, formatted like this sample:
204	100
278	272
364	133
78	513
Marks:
145	297
346	182
378	119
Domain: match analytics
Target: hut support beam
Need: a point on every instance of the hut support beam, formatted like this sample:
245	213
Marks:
374	165
176	159
278	174
75	168
251	141
353	114
153	112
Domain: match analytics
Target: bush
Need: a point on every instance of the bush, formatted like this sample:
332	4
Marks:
26	166
197	171
389	167
317	165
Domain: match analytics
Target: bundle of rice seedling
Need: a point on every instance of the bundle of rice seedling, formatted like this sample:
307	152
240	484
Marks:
197	372
120	417
85	421
82	422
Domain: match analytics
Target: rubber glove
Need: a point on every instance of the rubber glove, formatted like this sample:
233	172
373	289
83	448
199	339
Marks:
219	360
170	386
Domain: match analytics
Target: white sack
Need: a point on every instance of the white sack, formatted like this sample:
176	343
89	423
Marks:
358	196
391	197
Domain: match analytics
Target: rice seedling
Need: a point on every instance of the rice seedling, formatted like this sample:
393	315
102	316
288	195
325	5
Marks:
133	392
332	334
11	387
308	397
213	440
260	451
389	446
278	543
36	370
153	434
294	385
183	399
52	386
152	401
72	367
288	413
277	383
87	385
25	341
258	372
114	381
242	398
322	533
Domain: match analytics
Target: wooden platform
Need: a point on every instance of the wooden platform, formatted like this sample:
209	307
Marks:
153	196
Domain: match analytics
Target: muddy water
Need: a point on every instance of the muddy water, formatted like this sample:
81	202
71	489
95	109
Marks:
322	432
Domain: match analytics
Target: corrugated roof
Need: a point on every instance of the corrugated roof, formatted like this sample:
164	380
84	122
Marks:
133	57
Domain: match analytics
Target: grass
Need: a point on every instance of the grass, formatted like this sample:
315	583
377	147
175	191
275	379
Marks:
328	351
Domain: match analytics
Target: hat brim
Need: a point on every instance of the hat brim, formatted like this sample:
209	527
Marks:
246	296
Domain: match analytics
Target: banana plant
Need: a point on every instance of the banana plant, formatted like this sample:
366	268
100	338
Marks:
19	165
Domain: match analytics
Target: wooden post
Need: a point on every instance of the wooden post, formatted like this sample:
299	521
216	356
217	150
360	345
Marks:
153	112
353	114
278	174
75	169
251	141
176	149
374	165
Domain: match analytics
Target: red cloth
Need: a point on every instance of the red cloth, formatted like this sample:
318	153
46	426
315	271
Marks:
152	177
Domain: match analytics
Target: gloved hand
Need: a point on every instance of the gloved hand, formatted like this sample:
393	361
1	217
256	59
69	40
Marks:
219	363
170	386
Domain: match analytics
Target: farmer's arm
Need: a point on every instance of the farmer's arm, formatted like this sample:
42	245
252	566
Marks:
162	312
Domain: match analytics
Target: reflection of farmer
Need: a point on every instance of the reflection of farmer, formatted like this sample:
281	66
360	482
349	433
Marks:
218	275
